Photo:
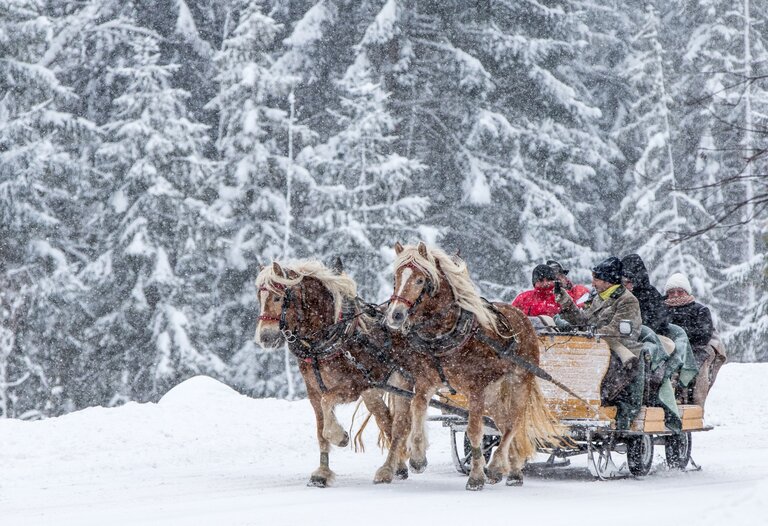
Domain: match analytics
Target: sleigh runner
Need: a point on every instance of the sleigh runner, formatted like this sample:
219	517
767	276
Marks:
580	361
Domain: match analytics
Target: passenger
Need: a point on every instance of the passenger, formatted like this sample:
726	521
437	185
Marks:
696	320
579	293
541	300
623	383
652	308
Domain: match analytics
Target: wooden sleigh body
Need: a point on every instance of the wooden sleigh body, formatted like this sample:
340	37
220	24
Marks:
580	362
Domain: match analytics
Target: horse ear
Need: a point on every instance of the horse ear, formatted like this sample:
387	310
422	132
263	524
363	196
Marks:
398	248
458	253
423	249
338	266
278	269
261	267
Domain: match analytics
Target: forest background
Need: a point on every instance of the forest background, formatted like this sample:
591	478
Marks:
154	153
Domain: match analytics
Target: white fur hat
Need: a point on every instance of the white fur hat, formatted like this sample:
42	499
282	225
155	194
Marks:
678	281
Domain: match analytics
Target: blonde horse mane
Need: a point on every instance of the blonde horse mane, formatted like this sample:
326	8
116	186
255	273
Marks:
457	275
341	286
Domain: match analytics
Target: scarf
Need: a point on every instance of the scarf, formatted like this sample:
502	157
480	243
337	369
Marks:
679	301
607	292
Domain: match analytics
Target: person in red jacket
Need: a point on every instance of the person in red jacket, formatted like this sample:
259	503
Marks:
578	293
540	300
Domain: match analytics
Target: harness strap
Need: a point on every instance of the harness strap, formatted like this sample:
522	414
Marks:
443	379
318	376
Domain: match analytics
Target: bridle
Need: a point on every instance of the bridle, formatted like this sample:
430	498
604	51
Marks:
427	289
288	299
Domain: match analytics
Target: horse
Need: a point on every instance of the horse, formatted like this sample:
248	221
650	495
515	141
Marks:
464	343
339	349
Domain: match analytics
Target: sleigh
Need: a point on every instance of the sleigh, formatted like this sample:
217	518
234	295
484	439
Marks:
580	361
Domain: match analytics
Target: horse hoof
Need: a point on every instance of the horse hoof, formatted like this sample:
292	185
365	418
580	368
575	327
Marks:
317	482
475	484
418	466
515	480
493	477
402	473
383	476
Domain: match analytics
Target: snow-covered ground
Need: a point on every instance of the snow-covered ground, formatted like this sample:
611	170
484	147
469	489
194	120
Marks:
207	455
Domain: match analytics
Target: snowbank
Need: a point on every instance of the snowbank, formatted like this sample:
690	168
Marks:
205	454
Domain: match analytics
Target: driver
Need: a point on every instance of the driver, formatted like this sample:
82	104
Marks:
623	383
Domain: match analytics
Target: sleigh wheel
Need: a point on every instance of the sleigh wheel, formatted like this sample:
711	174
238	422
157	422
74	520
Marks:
640	454
462	452
678	450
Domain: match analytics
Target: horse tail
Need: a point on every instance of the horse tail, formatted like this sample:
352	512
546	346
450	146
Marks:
539	426
383	440
357	443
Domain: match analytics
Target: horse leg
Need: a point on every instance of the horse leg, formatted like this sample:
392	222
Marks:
496	396
394	465
322	476
332	430
418	436
475	433
375	403
528	417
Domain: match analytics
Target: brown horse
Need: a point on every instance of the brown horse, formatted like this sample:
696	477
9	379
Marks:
339	349
462	340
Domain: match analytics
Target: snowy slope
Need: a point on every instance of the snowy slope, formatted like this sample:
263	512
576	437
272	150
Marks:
207	455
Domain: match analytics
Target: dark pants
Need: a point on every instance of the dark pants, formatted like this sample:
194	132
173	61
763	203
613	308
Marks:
624	388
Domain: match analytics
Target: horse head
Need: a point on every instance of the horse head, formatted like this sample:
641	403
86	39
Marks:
417	281
298	301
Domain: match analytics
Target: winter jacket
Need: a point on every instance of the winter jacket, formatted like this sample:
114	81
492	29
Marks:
605	315
653	310
696	320
537	302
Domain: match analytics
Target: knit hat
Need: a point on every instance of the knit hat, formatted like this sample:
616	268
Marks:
608	270
557	267
678	281
633	269
542	272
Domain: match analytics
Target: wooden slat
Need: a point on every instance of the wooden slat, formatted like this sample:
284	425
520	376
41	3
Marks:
691	411
579	363
693	423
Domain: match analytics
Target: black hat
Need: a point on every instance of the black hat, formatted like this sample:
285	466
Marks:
633	268
557	267
608	270
542	272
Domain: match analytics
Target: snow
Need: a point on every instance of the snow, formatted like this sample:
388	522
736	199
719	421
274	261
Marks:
207	455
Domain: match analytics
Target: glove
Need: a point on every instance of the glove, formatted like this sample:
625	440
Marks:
631	364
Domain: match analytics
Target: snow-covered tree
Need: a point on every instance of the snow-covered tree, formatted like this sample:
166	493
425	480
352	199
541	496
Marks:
147	282
363	201
41	172
257	179
655	207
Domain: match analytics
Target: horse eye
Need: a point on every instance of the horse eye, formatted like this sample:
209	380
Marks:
276	299
420	281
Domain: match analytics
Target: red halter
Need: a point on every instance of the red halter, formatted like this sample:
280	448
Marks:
394	298
265	289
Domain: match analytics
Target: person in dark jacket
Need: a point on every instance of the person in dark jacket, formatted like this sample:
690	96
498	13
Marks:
611	309
696	320
541	300
635	279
